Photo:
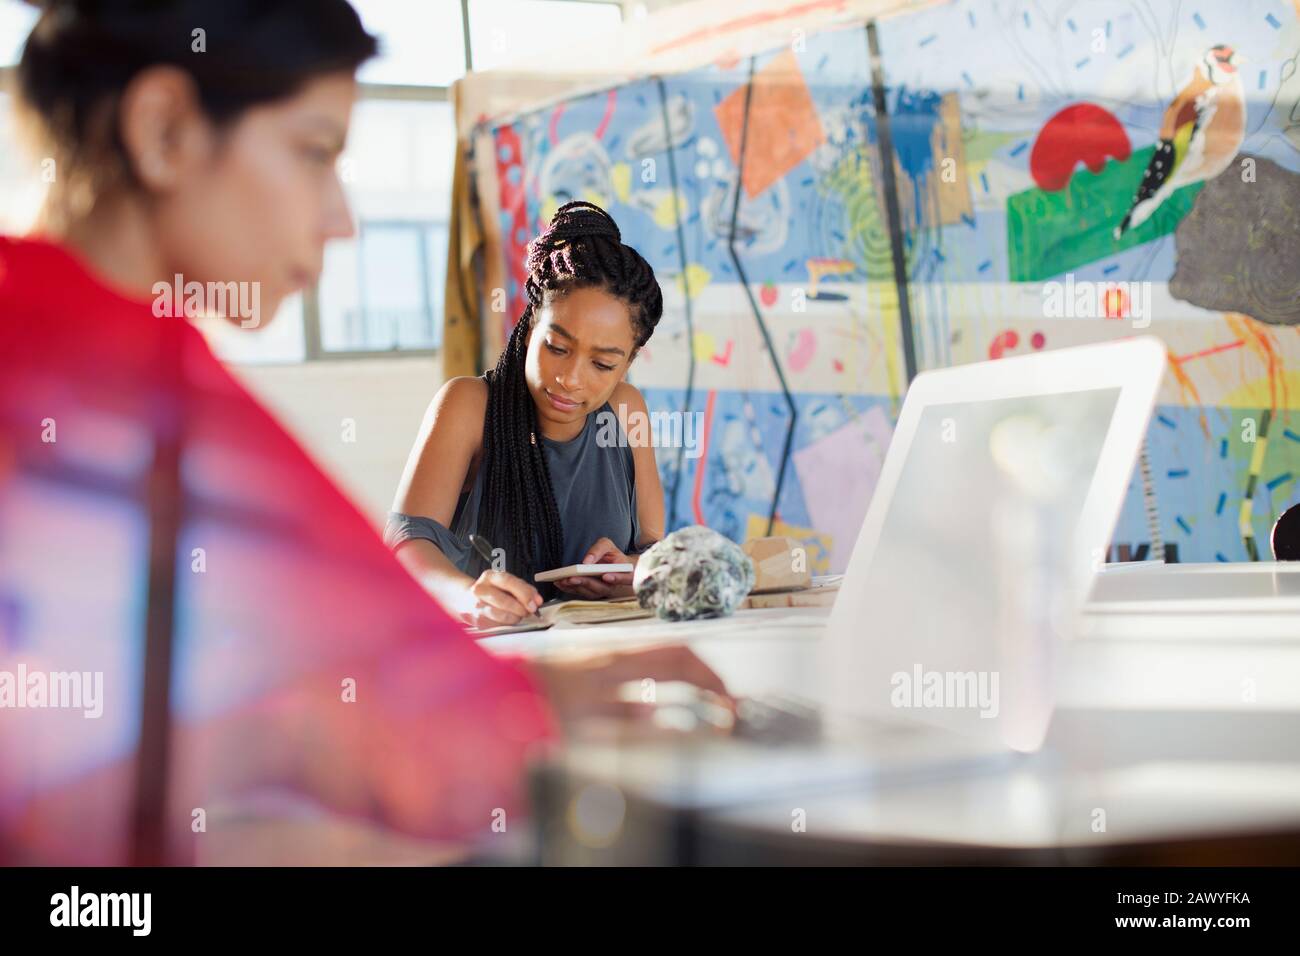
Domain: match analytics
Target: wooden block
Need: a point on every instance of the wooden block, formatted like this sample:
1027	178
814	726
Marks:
775	563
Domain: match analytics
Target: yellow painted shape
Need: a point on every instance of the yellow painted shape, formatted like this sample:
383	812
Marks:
882	298
1243	521
696	278
1256	466
704	346
549	209
1182	138
1257	458
620	175
665	214
1258	393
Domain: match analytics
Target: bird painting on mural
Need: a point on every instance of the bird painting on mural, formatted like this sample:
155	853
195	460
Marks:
1200	134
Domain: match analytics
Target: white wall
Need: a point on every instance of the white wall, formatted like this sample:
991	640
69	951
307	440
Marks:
386	397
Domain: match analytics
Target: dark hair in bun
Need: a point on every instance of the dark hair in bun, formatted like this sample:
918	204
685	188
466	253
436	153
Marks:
582	248
81	55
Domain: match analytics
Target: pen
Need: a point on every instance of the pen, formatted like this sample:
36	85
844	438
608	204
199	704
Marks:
481	545
484	548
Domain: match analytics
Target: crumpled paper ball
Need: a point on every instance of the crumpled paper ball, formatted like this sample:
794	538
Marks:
694	572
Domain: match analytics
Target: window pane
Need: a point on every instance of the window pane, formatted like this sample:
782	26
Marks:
394	308
384	289
505	31
421	42
398	162
16	20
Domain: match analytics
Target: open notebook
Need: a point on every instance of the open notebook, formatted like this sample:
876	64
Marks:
571	612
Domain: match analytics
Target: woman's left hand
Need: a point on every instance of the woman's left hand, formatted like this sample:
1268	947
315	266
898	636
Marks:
610	584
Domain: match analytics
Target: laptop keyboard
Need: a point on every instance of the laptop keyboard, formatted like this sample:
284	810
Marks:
775	719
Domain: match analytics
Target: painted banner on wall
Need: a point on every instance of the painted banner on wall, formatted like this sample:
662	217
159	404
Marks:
1110	169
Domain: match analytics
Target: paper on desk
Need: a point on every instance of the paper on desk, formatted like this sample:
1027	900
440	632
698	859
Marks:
745	624
565	613
529	624
579	612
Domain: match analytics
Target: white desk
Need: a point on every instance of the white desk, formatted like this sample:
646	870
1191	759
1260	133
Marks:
783	623
755	650
1164	775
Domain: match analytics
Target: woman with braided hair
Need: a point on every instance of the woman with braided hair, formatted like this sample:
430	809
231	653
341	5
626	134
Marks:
534	456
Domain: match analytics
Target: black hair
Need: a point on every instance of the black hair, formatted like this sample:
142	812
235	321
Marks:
581	249
82	54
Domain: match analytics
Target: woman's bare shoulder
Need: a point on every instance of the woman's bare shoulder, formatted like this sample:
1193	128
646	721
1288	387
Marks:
461	403
627	397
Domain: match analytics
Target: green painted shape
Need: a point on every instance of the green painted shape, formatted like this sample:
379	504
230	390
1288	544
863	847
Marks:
981	146
1050	233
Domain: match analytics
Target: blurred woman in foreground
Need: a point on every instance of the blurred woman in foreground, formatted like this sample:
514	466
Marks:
194	146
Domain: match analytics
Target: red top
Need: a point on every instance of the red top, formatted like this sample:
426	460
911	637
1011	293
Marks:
305	660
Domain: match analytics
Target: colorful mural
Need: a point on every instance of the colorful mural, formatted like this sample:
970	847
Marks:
1113	168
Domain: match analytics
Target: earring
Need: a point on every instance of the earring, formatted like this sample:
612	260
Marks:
532	437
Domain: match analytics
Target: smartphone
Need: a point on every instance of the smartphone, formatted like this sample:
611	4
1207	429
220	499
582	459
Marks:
579	570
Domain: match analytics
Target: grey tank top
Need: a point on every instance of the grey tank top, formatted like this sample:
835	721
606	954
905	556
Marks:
594	479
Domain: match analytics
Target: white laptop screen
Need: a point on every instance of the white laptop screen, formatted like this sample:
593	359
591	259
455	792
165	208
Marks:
970	578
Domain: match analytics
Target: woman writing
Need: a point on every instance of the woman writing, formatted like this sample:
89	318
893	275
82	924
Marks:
534	456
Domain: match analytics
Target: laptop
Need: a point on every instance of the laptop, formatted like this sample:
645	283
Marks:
994	508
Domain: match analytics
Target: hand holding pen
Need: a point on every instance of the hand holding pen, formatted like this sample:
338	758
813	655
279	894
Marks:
497	597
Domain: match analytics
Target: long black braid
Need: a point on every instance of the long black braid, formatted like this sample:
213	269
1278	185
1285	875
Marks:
582	248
